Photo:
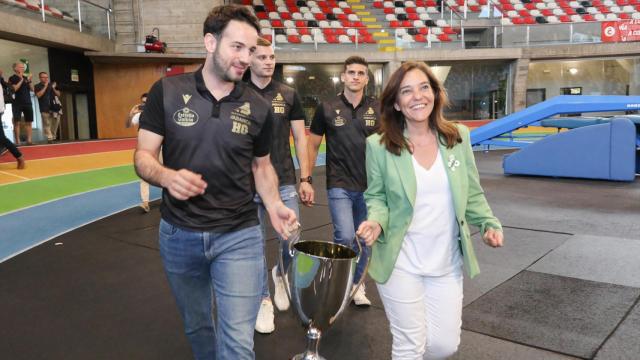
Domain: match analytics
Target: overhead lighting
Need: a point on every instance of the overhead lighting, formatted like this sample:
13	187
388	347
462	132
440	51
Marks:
312	77
289	80
296	68
573	71
335	79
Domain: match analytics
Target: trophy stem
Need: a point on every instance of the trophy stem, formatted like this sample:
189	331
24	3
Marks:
313	341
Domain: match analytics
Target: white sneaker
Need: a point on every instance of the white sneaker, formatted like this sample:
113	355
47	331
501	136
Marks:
280	297
265	321
360	297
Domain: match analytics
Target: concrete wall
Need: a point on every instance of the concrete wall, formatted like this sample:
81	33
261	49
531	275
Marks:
31	30
180	23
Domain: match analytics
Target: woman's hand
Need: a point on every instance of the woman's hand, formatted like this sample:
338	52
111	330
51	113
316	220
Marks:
369	231
493	237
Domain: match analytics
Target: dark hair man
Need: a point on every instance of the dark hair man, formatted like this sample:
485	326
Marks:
346	121
46	91
288	118
215	135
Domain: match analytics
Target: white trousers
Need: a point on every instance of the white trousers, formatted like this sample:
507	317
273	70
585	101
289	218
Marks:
425	314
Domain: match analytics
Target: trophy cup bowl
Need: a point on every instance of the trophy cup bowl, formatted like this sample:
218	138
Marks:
320	281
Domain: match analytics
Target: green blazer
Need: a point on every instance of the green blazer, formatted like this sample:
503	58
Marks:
391	195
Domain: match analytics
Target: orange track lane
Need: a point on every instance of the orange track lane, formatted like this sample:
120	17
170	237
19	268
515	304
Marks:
41	168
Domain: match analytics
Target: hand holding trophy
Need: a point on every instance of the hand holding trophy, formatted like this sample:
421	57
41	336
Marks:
319	285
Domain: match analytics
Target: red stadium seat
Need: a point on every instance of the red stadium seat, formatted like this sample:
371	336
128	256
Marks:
331	39
564	18
276	23
294	39
285	16
420	38
262	15
319	16
444	37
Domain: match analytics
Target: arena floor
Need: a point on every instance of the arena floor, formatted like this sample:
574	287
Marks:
564	286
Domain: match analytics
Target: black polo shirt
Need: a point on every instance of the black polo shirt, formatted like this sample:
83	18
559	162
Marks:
45	100
346	129
23	95
215	138
286	107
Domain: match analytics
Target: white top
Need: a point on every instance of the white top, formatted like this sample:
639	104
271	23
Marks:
430	246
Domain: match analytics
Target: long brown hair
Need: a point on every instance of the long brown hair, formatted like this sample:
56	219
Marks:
392	122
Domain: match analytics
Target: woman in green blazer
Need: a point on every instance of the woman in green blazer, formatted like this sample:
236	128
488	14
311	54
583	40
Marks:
423	190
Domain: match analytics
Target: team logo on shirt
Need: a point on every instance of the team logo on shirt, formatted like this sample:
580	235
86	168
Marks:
278	104
339	120
370	117
240	119
185	117
186	98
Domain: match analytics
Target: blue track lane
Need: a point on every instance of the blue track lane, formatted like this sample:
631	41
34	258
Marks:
30	227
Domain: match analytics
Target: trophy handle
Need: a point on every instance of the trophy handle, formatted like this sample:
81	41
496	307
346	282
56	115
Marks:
366	268
293	239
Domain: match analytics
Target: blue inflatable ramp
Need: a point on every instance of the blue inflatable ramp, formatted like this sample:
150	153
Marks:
605	151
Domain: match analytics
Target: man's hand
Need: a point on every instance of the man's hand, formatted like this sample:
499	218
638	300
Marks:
282	219
369	231
493	238
184	184
307	195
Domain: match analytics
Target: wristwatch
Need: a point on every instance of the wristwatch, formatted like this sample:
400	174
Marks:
306	179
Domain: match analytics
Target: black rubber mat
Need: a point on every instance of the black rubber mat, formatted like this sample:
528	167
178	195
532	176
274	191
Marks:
562	314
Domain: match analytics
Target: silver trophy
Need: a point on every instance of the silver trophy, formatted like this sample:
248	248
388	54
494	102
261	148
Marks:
319	285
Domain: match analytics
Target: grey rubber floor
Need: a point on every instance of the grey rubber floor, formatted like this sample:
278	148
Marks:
564	286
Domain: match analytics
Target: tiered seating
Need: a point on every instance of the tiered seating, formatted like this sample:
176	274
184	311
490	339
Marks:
298	21
34	5
416	20
520	12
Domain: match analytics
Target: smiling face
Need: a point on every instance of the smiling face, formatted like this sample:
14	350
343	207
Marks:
355	77
415	98
231	52
263	62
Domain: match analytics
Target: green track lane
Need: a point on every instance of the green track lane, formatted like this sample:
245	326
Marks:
29	193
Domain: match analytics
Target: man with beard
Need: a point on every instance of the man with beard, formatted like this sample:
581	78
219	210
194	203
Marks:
346	121
215	135
288	117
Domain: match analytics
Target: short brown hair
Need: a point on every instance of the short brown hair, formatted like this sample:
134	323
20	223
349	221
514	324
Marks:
392	122
263	42
354	60
220	16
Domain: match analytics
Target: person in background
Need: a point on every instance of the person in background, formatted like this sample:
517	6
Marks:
22	87
423	192
46	92
5	143
288	118
215	135
134	120
346	120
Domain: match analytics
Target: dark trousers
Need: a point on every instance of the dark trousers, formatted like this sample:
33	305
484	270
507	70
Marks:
4	142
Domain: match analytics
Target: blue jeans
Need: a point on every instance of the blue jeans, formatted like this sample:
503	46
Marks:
348	210
225	269
289	197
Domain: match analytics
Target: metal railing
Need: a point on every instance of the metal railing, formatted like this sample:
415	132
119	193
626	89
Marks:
83	15
465	37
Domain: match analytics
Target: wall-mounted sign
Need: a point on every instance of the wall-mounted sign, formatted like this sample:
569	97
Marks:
75	77
620	31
